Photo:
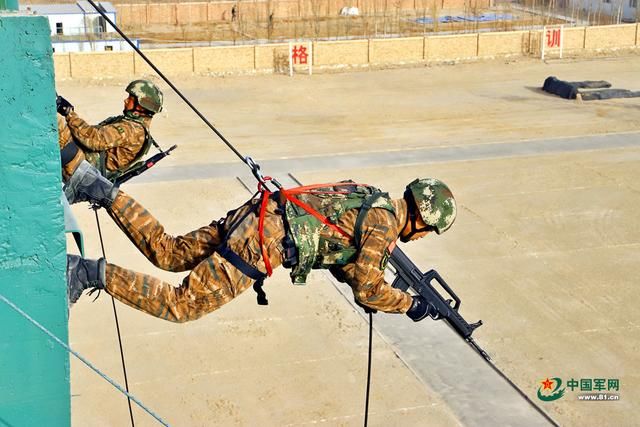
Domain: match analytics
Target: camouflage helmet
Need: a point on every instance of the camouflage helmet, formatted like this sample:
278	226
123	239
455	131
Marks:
435	203
149	95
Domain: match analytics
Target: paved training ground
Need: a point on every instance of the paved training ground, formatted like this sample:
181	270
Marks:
544	250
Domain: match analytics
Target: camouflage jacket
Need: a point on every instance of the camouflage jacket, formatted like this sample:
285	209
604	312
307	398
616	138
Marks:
361	267
64	138
123	141
318	250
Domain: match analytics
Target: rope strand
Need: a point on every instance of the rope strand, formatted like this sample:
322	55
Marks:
366	404
82	359
115	315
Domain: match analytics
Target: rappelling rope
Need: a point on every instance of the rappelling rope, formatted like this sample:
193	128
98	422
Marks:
82	359
115	315
366	399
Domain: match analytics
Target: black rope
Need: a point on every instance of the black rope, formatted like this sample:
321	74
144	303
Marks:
522	393
115	315
175	89
366	404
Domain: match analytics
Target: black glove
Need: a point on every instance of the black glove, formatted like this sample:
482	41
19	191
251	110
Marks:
420	309
63	106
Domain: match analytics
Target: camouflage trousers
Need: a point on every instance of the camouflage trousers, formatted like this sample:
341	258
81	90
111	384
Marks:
211	283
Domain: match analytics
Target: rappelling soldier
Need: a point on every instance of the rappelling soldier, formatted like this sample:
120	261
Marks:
117	143
345	227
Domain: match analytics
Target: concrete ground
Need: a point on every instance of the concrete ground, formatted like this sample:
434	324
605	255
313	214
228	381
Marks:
545	249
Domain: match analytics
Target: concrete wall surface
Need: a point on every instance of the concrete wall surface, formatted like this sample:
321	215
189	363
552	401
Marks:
442	48
610	36
573	38
503	43
331	54
34	372
169	61
223	59
102	64
409	49
271	56
355	52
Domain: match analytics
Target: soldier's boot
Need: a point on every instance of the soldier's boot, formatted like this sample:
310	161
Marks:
84	274
87	185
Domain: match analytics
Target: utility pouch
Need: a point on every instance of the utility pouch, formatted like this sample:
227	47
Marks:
289	251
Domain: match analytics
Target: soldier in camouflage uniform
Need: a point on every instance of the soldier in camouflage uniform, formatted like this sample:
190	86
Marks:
370	221
116	143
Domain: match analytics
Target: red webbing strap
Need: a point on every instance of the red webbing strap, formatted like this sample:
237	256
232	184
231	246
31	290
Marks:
315	213
288	194
263	209
308	188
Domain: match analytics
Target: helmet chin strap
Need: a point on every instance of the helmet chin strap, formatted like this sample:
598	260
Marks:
411	215
137	109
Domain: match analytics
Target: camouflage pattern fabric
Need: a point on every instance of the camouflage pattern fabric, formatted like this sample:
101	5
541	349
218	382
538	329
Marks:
435	202
365	272
149	95
318	250
121	140
64	138
212	281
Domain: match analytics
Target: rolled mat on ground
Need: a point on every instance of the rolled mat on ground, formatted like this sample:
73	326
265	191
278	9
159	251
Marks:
597	89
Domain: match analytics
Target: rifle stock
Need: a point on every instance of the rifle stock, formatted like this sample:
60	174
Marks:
144	166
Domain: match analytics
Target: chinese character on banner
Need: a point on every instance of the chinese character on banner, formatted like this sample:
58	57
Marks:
299	55
613	384
553	37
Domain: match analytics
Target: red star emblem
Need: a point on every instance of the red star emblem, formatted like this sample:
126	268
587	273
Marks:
547	384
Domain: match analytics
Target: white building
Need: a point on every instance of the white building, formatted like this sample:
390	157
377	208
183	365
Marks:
79	27
623	10
75	19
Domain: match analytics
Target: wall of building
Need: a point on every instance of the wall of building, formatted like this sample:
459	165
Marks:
74	24
34	372
347	53
118	45
196	12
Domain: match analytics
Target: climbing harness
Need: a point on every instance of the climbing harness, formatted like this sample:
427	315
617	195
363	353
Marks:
294	258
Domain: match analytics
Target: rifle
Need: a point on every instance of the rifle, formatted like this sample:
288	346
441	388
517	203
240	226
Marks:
408	275
143	166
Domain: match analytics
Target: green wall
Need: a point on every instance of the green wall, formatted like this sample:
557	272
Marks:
34	371
9	4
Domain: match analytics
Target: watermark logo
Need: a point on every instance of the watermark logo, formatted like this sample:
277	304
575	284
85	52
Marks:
598	389
548	393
